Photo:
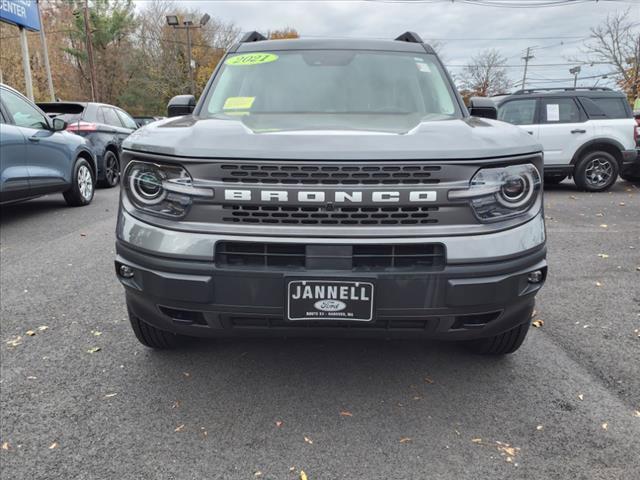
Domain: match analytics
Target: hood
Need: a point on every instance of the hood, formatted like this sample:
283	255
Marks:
332	137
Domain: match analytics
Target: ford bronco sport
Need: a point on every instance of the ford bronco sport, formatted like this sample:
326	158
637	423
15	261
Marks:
587	133
323	187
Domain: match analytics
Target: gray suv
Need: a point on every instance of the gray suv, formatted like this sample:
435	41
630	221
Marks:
331	187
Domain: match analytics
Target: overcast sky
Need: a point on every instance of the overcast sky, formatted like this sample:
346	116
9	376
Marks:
464	30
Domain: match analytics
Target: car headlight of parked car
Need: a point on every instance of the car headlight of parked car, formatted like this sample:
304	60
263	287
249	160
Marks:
501	193
165	190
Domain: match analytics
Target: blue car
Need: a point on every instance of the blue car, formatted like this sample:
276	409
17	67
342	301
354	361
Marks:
37	155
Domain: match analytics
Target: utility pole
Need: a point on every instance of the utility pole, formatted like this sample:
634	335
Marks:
192	85
47	66
24	45
92	70
174	21
528	56
575	71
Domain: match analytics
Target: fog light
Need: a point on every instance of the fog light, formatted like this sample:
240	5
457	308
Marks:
126	271
535	277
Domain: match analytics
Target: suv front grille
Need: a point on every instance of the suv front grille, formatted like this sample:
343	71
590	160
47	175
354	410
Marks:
296	256
330	174
322	216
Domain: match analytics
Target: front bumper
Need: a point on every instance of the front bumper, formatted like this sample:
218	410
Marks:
482	290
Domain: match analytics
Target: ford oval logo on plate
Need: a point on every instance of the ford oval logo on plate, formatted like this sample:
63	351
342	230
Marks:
330	305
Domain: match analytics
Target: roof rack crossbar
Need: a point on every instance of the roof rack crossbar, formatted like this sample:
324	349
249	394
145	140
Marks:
252	37
561	89
411	37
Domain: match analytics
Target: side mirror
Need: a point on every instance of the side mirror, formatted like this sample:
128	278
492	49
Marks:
58	124
181	105
483	107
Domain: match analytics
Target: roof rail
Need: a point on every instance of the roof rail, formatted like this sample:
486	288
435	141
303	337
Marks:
561	89
252	37
410	37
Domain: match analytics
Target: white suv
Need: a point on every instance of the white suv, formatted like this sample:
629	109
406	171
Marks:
587	133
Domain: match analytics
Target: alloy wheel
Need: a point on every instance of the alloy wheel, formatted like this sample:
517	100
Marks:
85	182
598	172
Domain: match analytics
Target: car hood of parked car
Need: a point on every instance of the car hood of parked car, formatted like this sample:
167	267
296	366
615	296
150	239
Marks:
377	137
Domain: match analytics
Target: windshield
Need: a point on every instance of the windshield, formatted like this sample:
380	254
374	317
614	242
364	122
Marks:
338	83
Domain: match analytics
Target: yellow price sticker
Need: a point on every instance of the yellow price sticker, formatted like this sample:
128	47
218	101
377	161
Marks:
251	59
238	103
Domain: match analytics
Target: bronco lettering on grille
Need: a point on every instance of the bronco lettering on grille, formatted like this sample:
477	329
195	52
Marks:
308	196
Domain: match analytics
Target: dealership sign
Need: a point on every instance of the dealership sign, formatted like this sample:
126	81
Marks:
23	13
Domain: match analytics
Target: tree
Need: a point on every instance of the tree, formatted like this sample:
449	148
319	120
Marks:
486	74
617	42
284	33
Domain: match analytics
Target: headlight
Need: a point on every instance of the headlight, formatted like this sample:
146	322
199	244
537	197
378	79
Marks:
501	193
161	189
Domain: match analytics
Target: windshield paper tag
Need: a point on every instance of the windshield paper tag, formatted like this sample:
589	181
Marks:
251	59
238	103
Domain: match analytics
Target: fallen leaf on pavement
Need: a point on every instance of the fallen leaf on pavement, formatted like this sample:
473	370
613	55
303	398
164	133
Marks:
179	428
94	350
308	440
53	446
303	476
405	440
345	413
538	323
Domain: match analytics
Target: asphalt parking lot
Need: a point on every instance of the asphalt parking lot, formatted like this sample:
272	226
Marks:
567	405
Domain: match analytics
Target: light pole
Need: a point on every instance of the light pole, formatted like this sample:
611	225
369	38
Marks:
187	24
575	71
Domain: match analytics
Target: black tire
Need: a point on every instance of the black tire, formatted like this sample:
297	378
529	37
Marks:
111	170
502	344
152	337
83	185
596	171
554	179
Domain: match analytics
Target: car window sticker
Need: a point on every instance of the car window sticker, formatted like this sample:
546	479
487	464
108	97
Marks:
251	59
553	112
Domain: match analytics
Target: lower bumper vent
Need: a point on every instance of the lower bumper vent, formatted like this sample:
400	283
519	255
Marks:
359	258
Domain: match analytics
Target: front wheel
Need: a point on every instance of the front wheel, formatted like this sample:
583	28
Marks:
502	344
596	172
150	336
82	185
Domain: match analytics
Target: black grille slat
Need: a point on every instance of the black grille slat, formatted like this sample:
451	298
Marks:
331	175
295	256
338	216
